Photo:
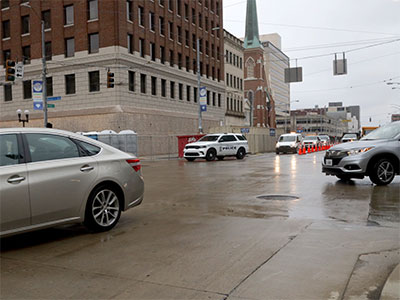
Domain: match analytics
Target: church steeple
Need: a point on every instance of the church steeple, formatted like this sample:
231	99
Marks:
252	39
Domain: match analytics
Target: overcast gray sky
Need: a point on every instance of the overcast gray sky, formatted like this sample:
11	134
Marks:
316	24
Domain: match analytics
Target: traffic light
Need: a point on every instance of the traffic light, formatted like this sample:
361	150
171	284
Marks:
110	79
10	70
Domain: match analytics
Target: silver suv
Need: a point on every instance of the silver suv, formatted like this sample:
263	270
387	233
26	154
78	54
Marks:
376	155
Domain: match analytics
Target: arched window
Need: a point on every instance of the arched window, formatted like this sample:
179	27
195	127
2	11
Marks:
250	65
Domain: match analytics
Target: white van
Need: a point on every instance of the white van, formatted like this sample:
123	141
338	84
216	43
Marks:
289	143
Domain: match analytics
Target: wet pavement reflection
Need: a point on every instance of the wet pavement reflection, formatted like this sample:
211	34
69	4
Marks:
231	188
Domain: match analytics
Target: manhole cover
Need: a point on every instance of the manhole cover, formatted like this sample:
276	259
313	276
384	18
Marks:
278	197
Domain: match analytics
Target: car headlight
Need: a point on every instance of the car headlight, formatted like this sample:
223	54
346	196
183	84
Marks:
358	150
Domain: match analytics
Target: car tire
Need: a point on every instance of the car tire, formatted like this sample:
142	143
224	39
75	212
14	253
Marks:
190	158
220	157
382	172
103	209
241	153
211	154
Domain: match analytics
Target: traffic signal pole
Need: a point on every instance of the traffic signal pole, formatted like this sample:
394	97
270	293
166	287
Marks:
44	81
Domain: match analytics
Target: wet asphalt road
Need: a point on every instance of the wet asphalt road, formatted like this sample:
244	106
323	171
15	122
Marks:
204	232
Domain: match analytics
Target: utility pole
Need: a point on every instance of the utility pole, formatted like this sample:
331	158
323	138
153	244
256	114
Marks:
199	86
44	81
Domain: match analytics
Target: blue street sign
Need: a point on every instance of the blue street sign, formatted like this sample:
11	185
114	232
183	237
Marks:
203	107
37	86
244	130
54	98
38	105
272	131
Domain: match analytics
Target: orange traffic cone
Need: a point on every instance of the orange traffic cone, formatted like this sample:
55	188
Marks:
304	150
308	149
300	151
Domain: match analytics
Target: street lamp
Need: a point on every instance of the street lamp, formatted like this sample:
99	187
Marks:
44	67
19	113
199	82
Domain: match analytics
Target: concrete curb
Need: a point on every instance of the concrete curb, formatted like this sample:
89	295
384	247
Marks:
391	289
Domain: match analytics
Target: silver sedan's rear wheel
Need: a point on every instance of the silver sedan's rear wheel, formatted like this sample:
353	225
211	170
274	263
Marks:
383	172
103	209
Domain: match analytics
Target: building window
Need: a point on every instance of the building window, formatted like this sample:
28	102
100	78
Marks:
188	93
48	51
163	88
46	18
25	24
93	13
153	85
94	81
186	12
141	47
6	29
187	38
162	54
178	7
152	22
27	89
219	100
187	63
170	5
161	2
6	56
194	46
171	58
208	97
130	43
172	89
141	15
153	51
179	61
26	55
131	80
143	83
200	20
129	15
180	91
241	63
179	28
162	25
49	86
94	43
5	4
70	84
68	15
7	92
213	99
171	30
193	16
69	47
195	94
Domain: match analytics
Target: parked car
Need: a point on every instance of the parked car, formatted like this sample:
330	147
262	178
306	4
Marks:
376	155
311	140
50	177
349	137
325	140
218	146
289	143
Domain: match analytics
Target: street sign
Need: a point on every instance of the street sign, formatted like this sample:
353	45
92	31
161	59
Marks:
37	90
38	105
19	70
51	105
244	130
272	132
203	98
54	98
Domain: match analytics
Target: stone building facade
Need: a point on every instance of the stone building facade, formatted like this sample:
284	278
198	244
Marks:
237	110
149	45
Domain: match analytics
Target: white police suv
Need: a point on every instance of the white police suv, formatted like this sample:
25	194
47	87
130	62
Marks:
218	146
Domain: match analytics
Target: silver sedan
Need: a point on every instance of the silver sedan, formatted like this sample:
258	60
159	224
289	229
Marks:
50	177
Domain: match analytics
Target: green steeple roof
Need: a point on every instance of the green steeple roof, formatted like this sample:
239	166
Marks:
252	39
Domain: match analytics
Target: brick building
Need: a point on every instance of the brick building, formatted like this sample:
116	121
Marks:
255	82
149	45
